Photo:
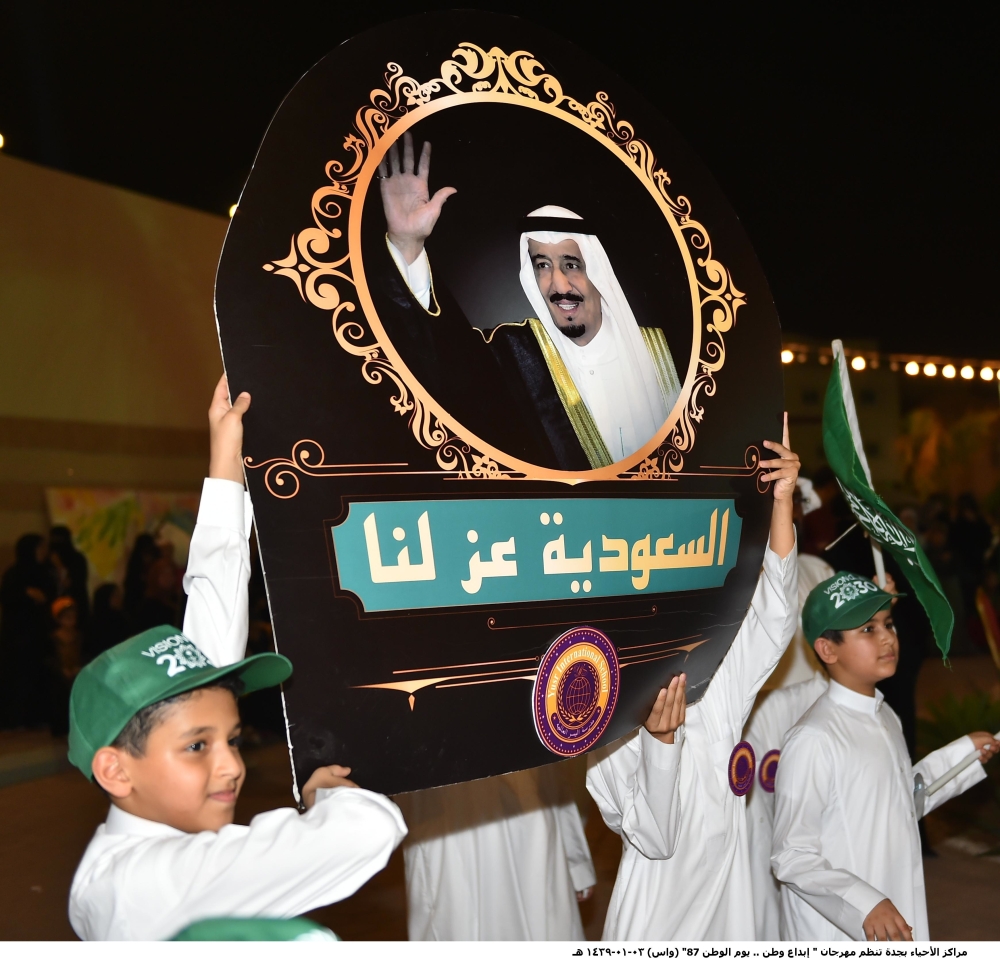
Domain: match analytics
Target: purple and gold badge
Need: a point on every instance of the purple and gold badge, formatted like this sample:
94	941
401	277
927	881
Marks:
576	691
742	765
769	769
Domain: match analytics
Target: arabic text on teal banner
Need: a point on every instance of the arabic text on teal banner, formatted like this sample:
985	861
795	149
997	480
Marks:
431	554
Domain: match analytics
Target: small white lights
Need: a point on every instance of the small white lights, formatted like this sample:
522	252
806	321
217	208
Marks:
873	361
232	210
1	141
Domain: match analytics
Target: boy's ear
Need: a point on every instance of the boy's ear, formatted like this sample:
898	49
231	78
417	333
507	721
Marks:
825	650
111	772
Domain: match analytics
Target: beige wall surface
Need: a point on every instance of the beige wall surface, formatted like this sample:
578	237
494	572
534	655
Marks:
108	346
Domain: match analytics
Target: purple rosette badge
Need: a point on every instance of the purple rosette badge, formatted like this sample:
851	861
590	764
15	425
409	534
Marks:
769	770
742	765
576	691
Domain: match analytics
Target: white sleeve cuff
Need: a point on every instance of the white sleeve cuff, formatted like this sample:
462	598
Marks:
582	875
222	505
863	898
416	275
657	754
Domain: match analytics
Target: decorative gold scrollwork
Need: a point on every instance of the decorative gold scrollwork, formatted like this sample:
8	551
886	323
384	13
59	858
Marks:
324	278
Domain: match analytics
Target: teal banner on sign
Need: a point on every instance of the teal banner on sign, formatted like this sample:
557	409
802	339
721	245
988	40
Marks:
432	554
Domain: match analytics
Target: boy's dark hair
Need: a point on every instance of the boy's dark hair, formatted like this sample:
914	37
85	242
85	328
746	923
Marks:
132	737
834	636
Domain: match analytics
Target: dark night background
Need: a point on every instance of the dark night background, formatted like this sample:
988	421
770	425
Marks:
856	145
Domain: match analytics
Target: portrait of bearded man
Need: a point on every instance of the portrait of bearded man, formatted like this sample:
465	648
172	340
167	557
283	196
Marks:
579	384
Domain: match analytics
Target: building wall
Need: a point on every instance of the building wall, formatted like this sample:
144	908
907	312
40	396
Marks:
876	395
108	346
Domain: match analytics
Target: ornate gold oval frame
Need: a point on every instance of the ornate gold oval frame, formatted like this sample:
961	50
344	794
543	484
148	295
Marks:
320	275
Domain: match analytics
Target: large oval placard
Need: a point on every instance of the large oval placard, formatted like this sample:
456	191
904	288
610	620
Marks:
532	407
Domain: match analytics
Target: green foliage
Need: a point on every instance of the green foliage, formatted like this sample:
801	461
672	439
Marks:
952	716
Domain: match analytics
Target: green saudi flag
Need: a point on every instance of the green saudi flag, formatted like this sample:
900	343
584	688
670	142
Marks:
846	456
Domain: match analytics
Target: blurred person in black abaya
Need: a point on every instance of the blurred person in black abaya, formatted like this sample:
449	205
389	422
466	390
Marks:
70	568
108	624
25	623
64	661
970	539
162	599
144	553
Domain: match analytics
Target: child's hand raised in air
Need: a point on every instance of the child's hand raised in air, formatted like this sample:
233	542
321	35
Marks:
668	710
225	425
332	776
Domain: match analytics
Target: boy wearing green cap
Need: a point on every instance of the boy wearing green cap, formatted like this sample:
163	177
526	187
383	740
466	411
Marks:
846	846
154	722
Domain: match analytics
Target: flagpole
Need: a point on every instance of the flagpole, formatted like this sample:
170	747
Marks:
840	360
879	562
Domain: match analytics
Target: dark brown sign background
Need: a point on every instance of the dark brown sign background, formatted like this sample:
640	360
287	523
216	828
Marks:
298	266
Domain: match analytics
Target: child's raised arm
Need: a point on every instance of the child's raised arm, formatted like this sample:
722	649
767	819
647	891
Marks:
786	472
225	424
218	570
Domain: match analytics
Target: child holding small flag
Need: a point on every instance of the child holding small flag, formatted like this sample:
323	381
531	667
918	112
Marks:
846	845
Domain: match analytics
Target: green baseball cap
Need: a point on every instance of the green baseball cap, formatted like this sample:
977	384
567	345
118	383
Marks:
843	602
147	668
256	929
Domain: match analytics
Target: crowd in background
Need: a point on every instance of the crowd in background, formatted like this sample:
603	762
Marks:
50	626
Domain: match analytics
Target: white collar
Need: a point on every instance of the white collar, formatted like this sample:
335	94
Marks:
120	822
602	348
846	697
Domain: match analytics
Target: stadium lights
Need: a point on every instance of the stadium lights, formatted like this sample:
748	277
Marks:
948	371
912	368
232	210
986	373
968	372
858	363
787	356
930	369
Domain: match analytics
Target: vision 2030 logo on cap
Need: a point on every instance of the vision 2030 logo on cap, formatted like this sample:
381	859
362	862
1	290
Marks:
179	653
846	588
576	691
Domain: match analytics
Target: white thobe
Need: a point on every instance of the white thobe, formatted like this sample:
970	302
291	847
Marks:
496	859
774	715
845	825
685	868
142	880
799	661
598	371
